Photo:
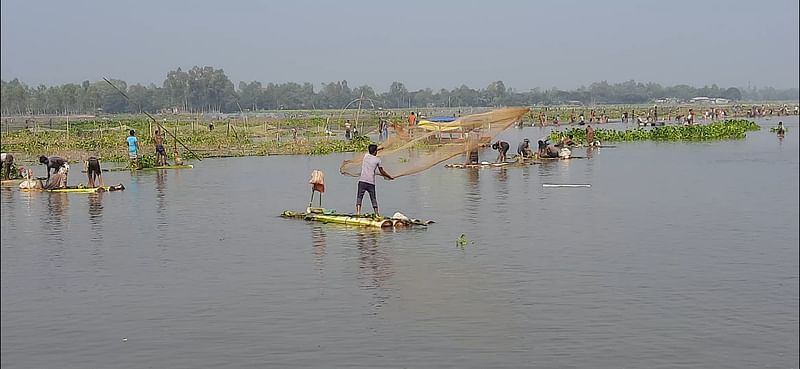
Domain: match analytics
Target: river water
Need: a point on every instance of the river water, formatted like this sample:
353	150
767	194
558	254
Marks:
679	255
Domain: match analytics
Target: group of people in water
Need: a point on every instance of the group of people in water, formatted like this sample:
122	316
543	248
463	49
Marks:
544	148
58	168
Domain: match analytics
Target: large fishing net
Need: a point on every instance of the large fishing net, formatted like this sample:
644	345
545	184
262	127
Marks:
413	150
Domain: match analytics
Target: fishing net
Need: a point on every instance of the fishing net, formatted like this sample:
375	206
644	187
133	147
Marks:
414	150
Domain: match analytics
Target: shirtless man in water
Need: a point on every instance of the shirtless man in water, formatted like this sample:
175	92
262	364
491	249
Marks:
54	162
589	135
161	154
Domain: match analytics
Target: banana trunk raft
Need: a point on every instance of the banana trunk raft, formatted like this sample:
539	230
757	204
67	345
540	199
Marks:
398	220
118	187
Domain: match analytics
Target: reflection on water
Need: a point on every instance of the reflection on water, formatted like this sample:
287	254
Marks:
590	151
582	289
501	174
162	224
374	264
57	204
96	225
96	215
472	193
161	185
319	245
547	168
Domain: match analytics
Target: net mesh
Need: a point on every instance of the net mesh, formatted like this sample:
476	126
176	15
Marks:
410	151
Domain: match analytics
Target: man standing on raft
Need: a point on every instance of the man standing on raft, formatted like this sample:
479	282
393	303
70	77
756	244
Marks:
366	182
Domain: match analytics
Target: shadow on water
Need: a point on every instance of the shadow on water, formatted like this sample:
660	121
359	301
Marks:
374	265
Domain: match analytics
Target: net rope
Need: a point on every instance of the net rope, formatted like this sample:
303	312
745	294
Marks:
414	149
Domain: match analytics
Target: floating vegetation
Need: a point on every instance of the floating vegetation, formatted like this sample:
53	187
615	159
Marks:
724	130
462	241
82	139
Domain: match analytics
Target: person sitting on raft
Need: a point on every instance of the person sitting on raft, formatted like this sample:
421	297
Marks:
502	148
161	154
54	162
524	149
177	158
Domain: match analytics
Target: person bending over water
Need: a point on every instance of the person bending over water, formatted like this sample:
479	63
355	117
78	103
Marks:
524	149
502	148
54	162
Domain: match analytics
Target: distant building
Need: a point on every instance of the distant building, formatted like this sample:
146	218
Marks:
667	100
709	100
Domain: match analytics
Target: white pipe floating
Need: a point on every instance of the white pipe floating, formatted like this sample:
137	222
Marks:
567	185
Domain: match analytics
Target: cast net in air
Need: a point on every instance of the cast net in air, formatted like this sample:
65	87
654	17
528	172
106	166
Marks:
432	142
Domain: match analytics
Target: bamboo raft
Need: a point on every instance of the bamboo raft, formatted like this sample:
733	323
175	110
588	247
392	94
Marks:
118	187
368	220
16	182
186	166
492	165
126	169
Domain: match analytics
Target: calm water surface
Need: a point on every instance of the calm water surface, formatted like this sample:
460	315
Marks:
679	255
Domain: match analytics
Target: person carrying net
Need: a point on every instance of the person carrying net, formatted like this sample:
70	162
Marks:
366	182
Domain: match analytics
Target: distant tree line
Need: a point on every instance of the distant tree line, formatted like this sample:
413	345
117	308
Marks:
207	89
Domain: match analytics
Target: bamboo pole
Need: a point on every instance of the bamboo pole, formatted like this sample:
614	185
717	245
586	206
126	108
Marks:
154	120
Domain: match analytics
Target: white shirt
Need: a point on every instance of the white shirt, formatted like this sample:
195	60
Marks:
369	166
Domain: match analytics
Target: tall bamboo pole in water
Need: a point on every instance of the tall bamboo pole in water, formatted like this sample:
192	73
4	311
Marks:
359	111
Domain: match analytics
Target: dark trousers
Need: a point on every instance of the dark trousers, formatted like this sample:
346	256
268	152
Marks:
366	187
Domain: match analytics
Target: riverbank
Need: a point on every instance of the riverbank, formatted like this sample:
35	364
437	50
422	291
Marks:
80	140
297	136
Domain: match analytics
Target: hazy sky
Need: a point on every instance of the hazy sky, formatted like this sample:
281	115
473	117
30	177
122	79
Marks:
437	44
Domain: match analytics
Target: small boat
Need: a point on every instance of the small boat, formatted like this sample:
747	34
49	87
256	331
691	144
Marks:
443	124
118	187
436	120
366	220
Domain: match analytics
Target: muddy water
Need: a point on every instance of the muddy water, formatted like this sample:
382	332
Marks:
679	255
